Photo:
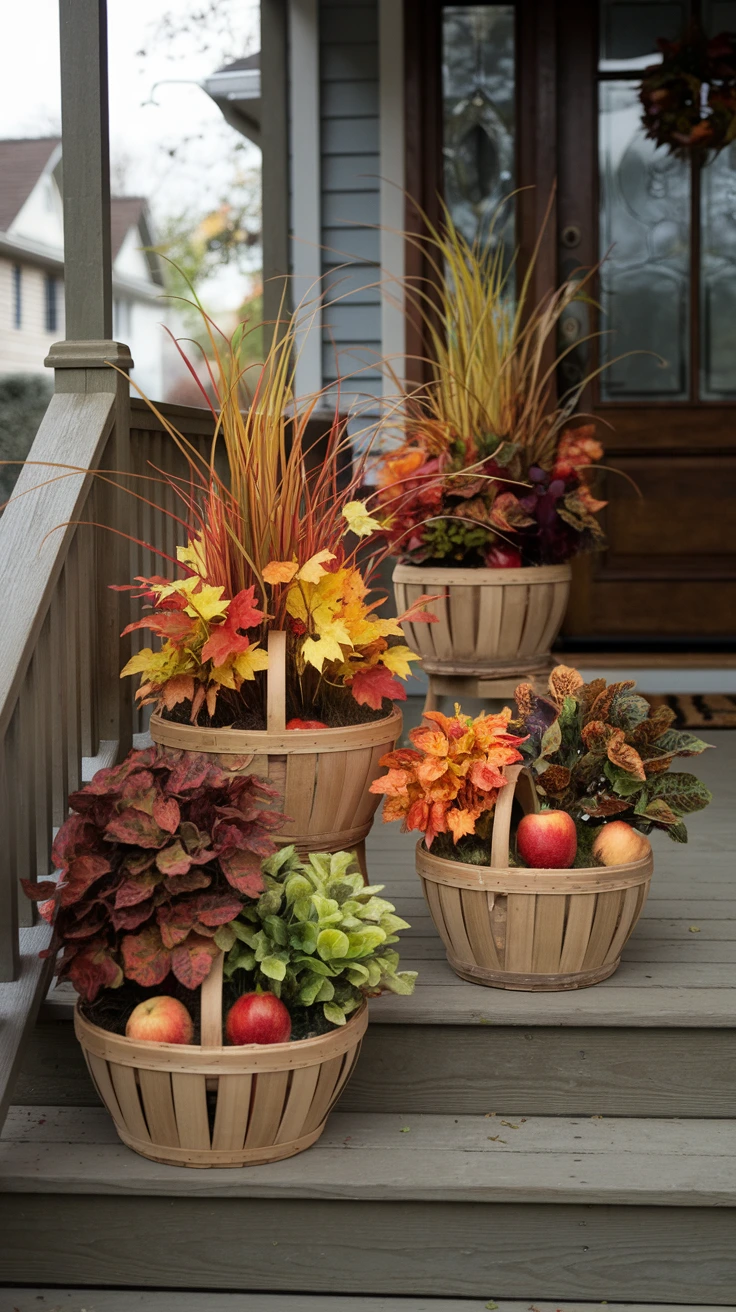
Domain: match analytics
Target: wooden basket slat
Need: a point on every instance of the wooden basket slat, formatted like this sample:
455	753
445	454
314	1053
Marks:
536	620
231	1114
531	929
371	768
100	1072
515	604
607	912
556	614
478	927
298	792
463	621
190	1108
298	1103
330	775
158	1105
267	1108
550	931
328	1076
580	914
452	912
126	1089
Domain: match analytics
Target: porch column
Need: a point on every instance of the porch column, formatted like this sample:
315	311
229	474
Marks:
275	150
83	362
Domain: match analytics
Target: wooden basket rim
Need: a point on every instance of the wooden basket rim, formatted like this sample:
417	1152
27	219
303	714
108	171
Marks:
231	1060
259	742
441	575
510	879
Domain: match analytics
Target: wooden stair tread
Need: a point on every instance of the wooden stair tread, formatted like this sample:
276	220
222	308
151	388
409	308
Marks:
424	1158
106	1300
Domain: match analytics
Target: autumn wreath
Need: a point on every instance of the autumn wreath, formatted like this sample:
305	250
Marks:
689	99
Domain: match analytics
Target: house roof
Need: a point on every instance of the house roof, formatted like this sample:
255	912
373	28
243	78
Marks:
22	161
126	212
238	65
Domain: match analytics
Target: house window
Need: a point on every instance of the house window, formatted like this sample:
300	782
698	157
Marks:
52	304
479	130
668	282
17	296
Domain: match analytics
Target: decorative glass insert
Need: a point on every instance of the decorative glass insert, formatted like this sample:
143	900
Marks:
645	238
629	30
479	131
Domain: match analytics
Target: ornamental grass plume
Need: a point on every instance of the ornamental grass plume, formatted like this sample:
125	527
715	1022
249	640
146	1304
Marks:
271	545
449	781
489	461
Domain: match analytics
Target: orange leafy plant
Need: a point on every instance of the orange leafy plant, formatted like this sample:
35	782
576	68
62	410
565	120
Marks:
273	544
449	781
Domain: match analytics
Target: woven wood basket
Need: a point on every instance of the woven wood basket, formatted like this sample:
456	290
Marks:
534	930
491	622
323	776
214	1105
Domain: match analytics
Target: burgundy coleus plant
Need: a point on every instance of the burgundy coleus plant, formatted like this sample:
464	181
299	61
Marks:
158	852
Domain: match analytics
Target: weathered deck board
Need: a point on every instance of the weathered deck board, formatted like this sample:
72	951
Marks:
478	1159
105	1300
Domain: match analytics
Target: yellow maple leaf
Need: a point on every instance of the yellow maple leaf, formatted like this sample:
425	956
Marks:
280	571
324	648
184	587
314	569
247	662
389	628
193	555
360	522
397	660
158	666
224	675
207	604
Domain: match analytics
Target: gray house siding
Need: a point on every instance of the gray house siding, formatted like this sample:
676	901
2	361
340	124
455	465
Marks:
349	127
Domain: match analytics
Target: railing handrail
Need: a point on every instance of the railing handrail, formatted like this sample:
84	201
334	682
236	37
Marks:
39	524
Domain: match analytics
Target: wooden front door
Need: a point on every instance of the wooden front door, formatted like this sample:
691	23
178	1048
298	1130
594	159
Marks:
500	96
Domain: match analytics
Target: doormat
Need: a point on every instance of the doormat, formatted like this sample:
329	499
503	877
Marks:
708	710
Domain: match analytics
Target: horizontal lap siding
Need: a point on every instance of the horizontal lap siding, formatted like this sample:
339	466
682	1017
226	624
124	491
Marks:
350	194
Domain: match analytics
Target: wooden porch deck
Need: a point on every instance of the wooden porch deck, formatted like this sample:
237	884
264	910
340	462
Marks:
572	1146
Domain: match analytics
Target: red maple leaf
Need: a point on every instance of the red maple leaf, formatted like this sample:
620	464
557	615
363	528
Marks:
227	638
369	687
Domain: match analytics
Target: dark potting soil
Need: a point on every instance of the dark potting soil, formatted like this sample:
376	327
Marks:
336	714
111	1009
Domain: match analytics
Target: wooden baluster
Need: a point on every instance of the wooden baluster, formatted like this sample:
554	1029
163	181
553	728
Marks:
9	954
24	774
59	705
86	617
73	679
45	674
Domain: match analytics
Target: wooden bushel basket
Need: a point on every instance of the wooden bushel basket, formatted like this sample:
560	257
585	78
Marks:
323	775
215	1105
491	622
534	930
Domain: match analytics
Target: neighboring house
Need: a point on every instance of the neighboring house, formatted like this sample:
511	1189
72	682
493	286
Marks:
32	267
361	101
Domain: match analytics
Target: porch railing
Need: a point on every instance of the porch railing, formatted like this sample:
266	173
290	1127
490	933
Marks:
63	706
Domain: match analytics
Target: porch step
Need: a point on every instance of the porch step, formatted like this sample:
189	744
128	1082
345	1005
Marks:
106	1300
474	1207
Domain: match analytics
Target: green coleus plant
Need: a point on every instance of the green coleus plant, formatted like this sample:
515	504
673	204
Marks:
599	750
317	936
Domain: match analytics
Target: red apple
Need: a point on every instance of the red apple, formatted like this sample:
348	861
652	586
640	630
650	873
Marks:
160	1020
546	840
258	1018
617	844
503	557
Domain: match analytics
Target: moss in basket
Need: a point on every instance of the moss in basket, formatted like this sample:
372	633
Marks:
318	938
600	752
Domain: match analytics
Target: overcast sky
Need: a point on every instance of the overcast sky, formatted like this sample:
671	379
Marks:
183	119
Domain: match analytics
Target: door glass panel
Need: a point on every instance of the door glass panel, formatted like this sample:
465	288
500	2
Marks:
718	277
645	224
478	85
630	30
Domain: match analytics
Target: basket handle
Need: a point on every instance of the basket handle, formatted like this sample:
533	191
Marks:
276	682
520	785
210	1023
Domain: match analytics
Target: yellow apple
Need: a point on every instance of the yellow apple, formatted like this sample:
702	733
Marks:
160	1020
617	844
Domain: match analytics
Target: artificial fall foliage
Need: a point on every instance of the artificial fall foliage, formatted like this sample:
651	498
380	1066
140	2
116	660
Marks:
271	544
158	852
317	936
452	775
599	751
